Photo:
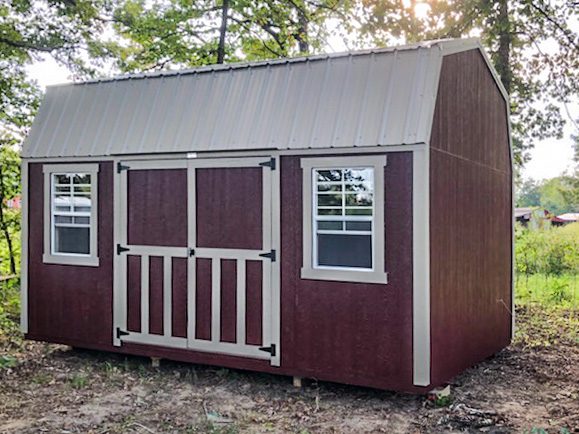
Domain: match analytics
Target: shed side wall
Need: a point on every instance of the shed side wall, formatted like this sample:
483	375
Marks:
70	303
349	333
470	218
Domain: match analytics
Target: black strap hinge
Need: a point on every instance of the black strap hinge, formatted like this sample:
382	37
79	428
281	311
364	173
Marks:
271	255
270	163
270	349
121	167
121	333
121	249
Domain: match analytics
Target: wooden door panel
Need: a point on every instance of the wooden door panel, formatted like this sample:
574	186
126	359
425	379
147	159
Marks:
229	207
157	207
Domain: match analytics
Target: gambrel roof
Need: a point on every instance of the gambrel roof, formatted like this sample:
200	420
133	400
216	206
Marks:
376	97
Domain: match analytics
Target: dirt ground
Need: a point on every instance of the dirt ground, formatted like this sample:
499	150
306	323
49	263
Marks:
532	386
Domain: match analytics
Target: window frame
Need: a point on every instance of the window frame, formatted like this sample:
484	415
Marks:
343	274
50	256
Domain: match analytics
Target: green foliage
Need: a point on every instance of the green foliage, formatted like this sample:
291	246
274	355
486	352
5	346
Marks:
79	381
187	33
532	44
548	290
7	361
551	251
9	218
10	311
558	195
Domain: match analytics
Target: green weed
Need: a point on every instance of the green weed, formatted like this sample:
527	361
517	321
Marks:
79	381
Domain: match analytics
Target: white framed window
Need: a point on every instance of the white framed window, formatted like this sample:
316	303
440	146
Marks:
343	218
71	214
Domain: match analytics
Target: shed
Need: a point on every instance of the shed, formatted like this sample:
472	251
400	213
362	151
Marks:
291	216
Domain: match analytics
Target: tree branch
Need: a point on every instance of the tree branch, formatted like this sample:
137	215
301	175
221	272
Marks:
555	23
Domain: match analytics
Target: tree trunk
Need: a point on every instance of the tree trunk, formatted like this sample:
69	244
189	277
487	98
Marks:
4	227
302	36
504	31
223	31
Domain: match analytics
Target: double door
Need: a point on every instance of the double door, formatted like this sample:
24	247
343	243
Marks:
197	255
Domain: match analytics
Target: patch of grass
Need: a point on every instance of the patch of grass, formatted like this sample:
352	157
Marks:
41	378
7	361
207	427
548	290
10	313
79	381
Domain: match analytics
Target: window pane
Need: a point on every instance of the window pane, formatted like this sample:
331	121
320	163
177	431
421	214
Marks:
359	187
330	187
62	219
329	175
358	199
359	211
72	240
81	178
329	199
336	250
332	225
81	189
62	178
330	211
358	226
359	175
82	220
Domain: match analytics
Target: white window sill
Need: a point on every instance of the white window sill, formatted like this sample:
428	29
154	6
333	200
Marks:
86	261
354	276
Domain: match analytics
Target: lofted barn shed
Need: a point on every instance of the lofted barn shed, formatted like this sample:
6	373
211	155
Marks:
344	217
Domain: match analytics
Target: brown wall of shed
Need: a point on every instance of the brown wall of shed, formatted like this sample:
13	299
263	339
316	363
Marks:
344	332
470	218
65	302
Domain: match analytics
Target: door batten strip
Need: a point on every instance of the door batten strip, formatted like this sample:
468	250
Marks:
167	296
145	294
240	302
216	300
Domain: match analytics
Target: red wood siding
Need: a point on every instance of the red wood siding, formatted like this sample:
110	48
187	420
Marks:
350	333
470	218
157	199
68	302
346	332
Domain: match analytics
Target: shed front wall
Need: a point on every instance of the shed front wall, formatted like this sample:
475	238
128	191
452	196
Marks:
470	218
350	333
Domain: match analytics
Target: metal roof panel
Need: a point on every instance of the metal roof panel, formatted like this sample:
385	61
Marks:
371	98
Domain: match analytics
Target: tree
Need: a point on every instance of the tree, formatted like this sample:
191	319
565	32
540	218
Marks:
555	195
68	30
531	44
529	194
9	189
187	33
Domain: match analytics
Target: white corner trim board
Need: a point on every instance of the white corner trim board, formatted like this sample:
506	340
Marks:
421	268
24	250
